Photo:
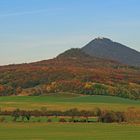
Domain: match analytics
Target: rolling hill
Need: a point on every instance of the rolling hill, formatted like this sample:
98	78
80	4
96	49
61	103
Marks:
73	71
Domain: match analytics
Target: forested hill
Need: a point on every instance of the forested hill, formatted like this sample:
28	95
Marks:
72	71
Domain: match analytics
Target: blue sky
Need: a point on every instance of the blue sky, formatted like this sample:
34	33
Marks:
32	30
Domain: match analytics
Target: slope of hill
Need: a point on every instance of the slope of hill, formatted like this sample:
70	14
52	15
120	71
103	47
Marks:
77	57
73	71
106	48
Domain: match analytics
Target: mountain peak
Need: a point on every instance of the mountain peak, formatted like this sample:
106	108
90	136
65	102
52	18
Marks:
102	39
108	49
99	38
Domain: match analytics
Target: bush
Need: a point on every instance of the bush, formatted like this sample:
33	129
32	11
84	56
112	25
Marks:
2	119
75	121
121	117
71	120
62	120
97	111
110	117
83	120
49	120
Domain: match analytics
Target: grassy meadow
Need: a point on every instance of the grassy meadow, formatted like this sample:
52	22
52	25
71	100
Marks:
39	129
60	131
67	101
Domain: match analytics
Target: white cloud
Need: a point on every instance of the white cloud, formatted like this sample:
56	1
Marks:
29	12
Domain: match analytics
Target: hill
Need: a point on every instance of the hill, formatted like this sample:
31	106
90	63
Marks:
108	49
73	71
77	57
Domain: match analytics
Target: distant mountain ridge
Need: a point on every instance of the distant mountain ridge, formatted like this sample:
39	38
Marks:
108	49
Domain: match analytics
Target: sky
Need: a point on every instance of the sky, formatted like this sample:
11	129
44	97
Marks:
32	30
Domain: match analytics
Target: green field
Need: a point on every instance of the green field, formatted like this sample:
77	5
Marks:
67	101
40	129
60	131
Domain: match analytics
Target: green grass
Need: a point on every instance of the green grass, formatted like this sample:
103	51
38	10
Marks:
39	129
63	102
64	98
61	131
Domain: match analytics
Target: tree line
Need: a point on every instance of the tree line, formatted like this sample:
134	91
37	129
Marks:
102	116
40	79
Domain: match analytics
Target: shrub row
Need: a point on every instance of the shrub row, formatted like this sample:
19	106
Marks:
103	116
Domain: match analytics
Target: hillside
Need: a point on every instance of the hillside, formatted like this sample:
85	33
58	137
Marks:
73	71
76	57
108	49
84	75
